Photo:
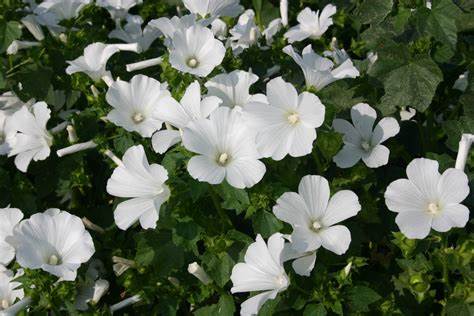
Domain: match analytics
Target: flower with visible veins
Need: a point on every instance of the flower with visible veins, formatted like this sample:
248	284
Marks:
362	140
428	199
245	33
214	8
132	32
312	24
262	271
144	184
313	215
54	241
287	125
226	150
10	290
9	218
62	9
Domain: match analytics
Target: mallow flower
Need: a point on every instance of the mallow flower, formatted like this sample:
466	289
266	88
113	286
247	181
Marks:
245	33
320	71
10	290
311	24
287	124
168	27
132	32
9	218
313	214
226	150
428	199
262	271
54	241
135	104
362	140
190	108
233	88
144	184
195	50
118	9
29	139
214	8
4	148
63	9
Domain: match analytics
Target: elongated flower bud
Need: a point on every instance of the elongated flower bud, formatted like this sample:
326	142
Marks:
144	64
284	12
71	134
126	302
76	148
463	150
15	46
101	287
196	270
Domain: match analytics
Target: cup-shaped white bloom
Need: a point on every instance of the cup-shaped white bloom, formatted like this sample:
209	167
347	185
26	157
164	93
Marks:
9	289
313	215
226	150
118	9
132	32
234	88
287	125
93	61
54	241
362	140
196	51
262	271
63	9
144	184
29	140
245	33
170	26
9	218
214	8
312	24
219	29
428	199
319	71
135	104
190	108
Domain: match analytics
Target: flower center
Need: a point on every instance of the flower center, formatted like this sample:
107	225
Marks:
53	260
138	117
192	62
293	118
223	159
433	209
316	226
365	145
5	304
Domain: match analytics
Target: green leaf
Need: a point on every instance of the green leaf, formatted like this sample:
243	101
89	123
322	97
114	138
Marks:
233	199
360	297
315	310
9	31
373	11
218	266
329	143
266	224
454	130
35	81
224	307
456	307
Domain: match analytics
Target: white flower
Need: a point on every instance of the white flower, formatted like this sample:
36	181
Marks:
362	140
191	108
132	33
94	60
135	104
287	125
303	262
313	215
214	8
30	140
4	147
63	9
9	218
144	184
196	51
462	82
219	29
312	24
337	55
15	46
10	290
262	271
233	88
428	199
273	27
170	26
226	149
319	71
118	9
245	33
54	241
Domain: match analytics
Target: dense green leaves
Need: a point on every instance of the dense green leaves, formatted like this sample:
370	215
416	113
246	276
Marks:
9	31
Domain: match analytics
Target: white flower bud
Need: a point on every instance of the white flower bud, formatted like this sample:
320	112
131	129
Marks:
463	150
284	12
15	46
144	64
196	270
101	287
76	148
71	134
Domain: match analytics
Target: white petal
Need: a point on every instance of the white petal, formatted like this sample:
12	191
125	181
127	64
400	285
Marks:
386	128
453	215
128	212
311	110
204	169
453	186
302	141
200	137
351	135
348	156
403	196
163	140
252	305
414	225
342	205
303	239
244	173
336	238
304	265
425	176
376	157
315	192
291	208
282	94
363	118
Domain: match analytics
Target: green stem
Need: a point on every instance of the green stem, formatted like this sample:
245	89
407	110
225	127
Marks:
217	205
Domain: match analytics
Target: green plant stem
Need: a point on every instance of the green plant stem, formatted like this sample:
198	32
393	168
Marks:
222	214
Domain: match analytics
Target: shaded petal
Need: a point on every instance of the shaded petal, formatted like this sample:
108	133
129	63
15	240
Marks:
386	128
205	169
351	135
163	140
244	173
376	157
425	176
335	238
348	156
304	265
127	213
414	225
453	186
363	117
291	208
252	305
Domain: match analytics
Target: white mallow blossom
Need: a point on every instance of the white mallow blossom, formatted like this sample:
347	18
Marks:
214	8
94	60
233	88
195	50
313	214
62	9
54	241
190	108
169	26
135	104
144	184
219	29
132	32
4	147
226	150
118	9
312	24
287	124
9	218
272	29
245	33
319	71
29	139
262	271
10	290
428	199
362	140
